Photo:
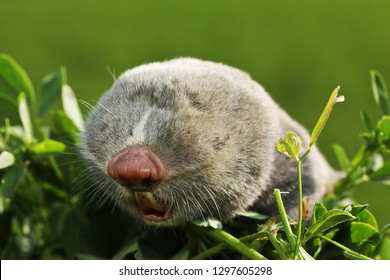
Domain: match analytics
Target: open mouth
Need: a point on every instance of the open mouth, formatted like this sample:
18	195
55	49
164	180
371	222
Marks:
150	209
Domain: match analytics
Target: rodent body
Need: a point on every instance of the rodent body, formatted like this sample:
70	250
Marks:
181	140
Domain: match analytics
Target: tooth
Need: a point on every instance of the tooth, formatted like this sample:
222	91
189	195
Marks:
147	201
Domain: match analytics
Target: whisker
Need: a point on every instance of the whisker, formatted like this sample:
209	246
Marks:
112	73
86	104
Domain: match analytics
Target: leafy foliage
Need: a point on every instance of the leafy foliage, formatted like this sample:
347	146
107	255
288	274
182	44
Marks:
43	216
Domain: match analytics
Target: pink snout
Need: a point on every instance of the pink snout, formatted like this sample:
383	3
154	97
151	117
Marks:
137	166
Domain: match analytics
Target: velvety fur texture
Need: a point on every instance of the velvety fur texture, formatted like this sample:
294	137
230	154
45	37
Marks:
214	129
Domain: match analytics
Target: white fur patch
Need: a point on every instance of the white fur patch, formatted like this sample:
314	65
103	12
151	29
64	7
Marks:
138	131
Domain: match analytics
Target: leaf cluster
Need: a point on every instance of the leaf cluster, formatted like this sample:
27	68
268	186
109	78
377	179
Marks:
371	162
38	207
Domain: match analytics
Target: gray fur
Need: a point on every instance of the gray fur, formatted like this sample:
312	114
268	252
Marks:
214	128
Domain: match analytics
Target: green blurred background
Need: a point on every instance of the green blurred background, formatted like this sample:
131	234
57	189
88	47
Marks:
298	50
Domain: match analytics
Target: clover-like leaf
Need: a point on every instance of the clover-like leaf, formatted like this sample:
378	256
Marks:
328	221
294	141
71	107
48	146
290	146
384	249
14	80
367	121
50	90
342	157
25	117
367	217
253	215
319	210
209	222
355	209
6	159
361	232
12	179
63	125
284	148
383	129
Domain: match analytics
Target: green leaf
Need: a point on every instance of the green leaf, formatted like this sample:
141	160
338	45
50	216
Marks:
367	217
319	211
382	174
48	146
6	159
290	146
294	142
355	209
328	221
325	115
25	117
14	80
361	232
130	247
384	250
209	222
12	179
56	190
383	129
8	109
380	92
253	215
64	126
284	148
342	157
71	107
183	254
367	121
50	90
359	156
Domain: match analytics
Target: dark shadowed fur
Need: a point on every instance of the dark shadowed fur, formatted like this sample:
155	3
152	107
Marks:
215	130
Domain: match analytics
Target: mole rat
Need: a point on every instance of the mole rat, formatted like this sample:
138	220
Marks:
185	139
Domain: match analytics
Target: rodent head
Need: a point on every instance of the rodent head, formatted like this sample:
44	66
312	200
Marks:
177	141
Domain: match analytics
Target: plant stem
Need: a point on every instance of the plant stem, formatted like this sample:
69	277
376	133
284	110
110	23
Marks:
341	246
305	154
300	207
210	252
218	248
56	168
230	241
315	255
284	218
276	245
300	201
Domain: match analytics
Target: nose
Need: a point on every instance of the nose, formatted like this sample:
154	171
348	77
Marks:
136	167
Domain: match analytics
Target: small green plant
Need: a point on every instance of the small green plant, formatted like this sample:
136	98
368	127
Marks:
37	206
43	216
291	147
371	162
